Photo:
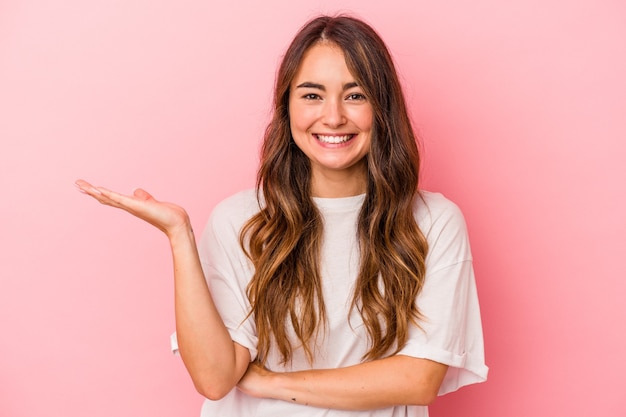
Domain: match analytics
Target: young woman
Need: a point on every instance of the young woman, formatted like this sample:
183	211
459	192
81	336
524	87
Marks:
337	287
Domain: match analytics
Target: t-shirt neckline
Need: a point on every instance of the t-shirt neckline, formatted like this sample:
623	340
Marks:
340	202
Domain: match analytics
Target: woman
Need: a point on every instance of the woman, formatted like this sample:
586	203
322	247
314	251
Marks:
336	288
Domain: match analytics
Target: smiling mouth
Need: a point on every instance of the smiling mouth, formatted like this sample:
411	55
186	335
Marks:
334	139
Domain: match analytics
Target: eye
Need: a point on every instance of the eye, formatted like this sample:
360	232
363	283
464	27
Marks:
311	96
356	97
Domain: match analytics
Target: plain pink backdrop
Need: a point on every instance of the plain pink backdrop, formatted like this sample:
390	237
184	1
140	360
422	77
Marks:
521	107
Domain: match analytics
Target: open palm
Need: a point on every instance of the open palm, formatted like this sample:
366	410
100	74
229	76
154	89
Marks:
167	217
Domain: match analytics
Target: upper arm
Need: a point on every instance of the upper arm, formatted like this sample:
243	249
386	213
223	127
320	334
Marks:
450	331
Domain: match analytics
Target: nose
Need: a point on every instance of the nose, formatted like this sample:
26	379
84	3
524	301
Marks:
333	113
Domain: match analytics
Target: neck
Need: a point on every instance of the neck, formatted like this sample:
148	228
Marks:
331	186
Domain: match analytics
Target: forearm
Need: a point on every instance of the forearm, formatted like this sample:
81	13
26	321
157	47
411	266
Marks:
397	380
213	360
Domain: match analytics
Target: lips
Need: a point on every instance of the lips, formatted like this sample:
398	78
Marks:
334	139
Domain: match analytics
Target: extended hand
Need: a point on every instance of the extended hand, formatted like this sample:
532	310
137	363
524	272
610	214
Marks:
167	217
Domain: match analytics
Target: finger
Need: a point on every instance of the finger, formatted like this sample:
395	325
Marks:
104	196
88	189
112	198
142	194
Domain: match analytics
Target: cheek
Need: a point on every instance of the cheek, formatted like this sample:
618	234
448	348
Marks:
363	118
300	119
295	126
369	118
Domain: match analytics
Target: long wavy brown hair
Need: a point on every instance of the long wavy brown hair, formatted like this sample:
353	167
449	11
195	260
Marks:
283	240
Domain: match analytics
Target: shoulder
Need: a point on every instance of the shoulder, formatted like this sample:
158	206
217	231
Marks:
443	224
237	207
229	215
221	233
434	209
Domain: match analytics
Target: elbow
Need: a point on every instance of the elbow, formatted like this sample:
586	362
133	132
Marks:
421	397
424	393
211	380
212	391
426	386
211	385
428	397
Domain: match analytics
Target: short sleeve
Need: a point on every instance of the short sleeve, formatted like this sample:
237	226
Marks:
450	331
174	344
228	271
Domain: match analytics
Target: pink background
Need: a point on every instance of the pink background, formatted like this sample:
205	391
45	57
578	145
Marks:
521	106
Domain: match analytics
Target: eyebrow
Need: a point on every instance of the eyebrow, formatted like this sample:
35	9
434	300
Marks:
308	84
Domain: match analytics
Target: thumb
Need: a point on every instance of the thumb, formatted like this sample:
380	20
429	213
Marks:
142	194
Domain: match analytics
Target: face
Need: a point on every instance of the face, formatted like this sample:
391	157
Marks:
331	121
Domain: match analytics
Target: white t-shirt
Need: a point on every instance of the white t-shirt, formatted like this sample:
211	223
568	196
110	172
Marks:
451	330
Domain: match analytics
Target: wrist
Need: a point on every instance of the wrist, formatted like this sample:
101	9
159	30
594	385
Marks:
180	234
280	386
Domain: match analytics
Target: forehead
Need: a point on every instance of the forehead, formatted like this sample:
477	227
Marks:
323	61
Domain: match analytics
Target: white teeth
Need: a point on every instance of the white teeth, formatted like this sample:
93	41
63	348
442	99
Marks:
333	139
